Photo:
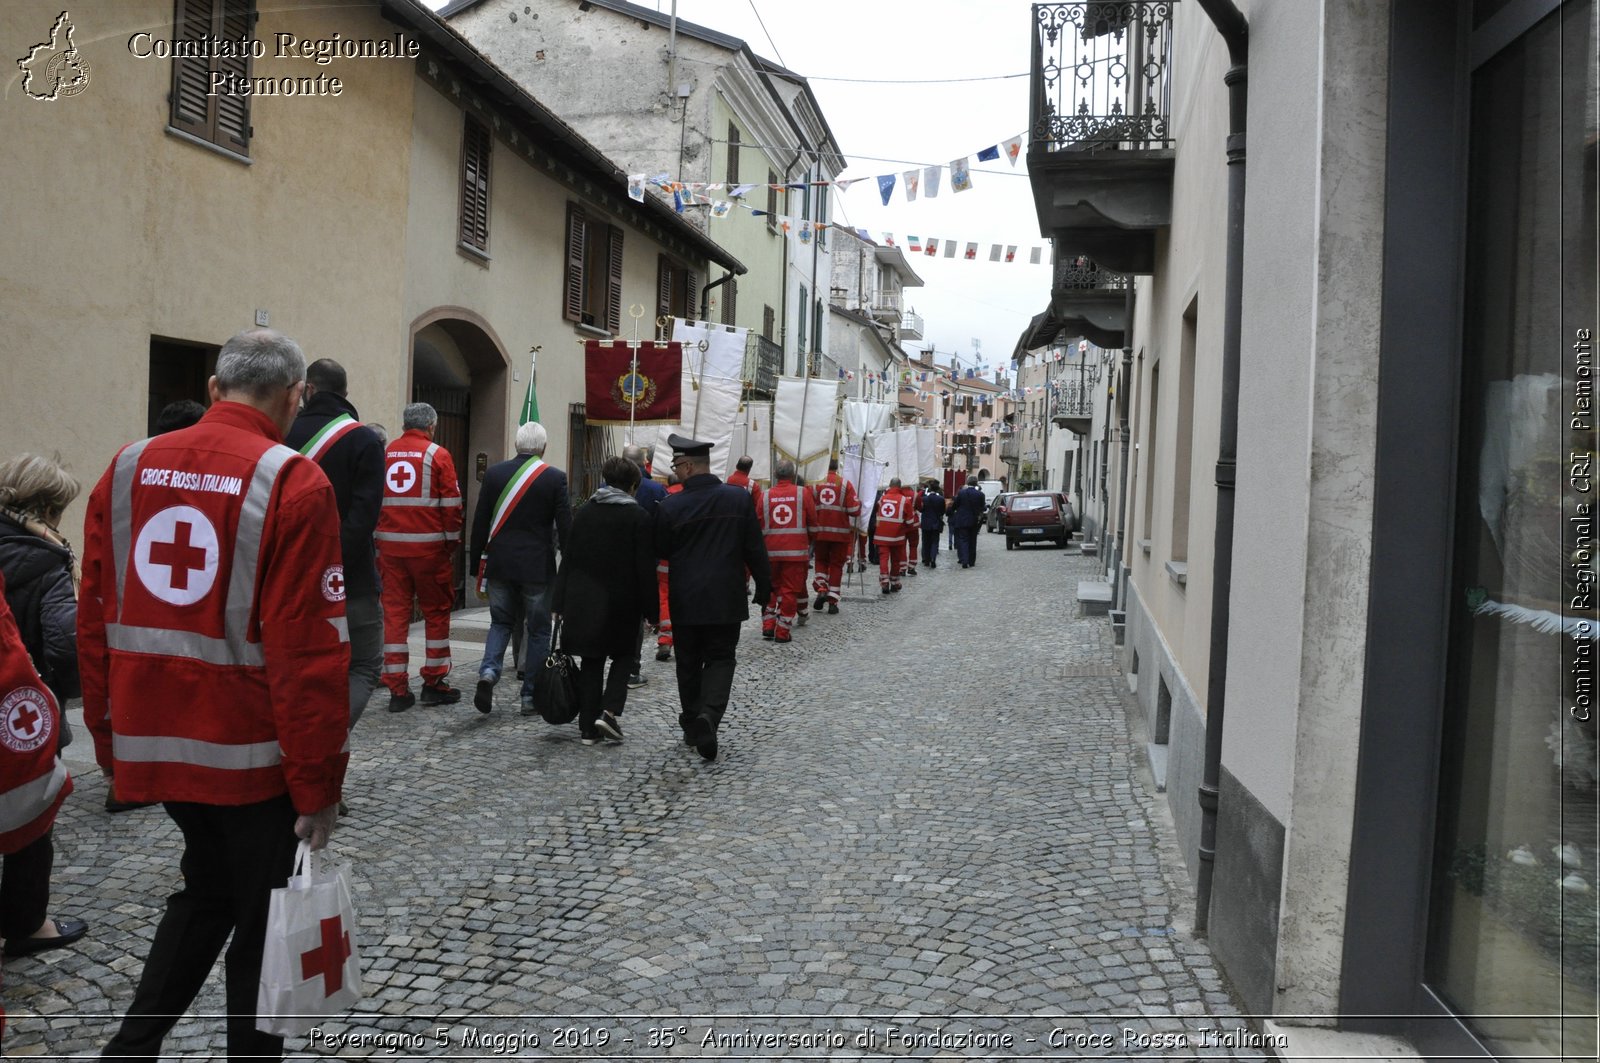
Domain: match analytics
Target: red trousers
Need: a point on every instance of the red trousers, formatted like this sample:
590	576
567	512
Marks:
913	537
664	630
430	580
830	558
891	562
788	588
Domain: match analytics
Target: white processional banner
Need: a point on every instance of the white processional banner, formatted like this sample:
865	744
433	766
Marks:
803	423
866	474
710	410
710	351
927	454
884	448
907	464
861	419
752	436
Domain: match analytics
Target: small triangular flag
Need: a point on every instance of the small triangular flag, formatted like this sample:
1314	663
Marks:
912	178
989	154
930	181
886	187
1011	252
1013	148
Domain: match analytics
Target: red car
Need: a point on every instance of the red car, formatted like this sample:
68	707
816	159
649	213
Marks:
1036	517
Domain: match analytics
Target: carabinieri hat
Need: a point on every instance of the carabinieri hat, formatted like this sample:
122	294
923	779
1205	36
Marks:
683	447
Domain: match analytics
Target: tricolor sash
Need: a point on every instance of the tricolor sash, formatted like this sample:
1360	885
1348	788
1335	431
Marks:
331	433
514	490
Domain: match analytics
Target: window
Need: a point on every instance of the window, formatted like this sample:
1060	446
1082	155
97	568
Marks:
730	301
675	290
733	154
475	145
772	202
592	294
222	120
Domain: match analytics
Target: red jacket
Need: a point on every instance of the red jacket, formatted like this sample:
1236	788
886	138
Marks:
421	512
742	479
33	781
787	516
837	508
211	632
894	516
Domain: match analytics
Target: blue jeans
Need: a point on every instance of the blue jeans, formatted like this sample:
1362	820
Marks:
504	597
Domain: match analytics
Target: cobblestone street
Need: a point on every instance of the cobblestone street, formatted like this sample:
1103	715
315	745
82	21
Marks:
926	836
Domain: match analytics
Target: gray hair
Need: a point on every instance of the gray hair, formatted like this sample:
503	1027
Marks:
418	415
895	482
784	470
532	438
634	453
972	481
260	362
37	485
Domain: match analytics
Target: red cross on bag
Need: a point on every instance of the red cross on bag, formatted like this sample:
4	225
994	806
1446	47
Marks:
310	968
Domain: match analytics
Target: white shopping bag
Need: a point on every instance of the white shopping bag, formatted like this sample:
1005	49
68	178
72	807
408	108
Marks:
309	968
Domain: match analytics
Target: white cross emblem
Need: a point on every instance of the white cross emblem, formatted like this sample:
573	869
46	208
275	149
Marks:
176	555
887	509
827	496
402	474
782	515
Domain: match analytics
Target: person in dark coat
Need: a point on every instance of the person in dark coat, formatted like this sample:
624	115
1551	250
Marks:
710	535
932	520
39	576
330	432
648	496
606	584
521	521
966	513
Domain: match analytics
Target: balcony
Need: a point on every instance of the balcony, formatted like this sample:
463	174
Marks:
1073	407
763	364
911	325
1009	448
820	365
1089	301
884	307
1100	152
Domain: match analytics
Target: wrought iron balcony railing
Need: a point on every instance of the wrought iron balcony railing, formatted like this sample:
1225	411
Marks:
1101	75
1081	274
763	364
1073	400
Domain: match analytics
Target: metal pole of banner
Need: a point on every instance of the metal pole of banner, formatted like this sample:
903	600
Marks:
635	311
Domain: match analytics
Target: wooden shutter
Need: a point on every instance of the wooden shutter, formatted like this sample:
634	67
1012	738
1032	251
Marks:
233	111
572	292
475	148
614	282
691	286
663	286
730	301
733	154
769	321
191	107
772	201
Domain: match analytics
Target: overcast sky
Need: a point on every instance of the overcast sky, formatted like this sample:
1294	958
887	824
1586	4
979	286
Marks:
928	122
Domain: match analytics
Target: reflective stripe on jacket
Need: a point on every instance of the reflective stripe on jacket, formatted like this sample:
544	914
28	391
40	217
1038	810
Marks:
421	498
837	508
786	518
211	623
894	508
33	781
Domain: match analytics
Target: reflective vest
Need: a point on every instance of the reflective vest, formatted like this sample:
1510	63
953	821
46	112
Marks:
786	518
211	629
894	512
753	489
837	508
33	781
421	498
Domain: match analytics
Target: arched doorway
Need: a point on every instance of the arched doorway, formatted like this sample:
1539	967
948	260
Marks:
460	368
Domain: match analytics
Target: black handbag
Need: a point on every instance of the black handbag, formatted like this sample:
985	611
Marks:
555	684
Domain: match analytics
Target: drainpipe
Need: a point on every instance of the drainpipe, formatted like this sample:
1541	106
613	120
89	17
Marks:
672	55
1235	31
1124	427
705	294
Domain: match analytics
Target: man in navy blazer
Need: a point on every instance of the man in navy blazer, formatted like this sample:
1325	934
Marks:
966	513
521	521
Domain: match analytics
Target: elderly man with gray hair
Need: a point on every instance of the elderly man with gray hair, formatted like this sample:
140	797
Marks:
521	521
419	530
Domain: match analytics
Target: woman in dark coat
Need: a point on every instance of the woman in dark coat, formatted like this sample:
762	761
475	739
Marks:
606	584
40	587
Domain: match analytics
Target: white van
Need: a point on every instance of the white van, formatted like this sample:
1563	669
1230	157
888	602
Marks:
991	490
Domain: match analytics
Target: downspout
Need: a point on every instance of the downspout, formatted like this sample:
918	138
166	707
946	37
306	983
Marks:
705	294
672	58
1125	429
1235	31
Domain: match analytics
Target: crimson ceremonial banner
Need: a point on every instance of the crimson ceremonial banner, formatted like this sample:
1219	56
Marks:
652	391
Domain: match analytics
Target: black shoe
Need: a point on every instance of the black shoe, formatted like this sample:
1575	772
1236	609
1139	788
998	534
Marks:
833	608
528	708
609	726
440	693
590	738
822	600
769	635
68	931
484	697
894	589
401	702
883	589
705	739
663	653
635	681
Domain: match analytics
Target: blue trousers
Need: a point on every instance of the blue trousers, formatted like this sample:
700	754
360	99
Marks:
503	599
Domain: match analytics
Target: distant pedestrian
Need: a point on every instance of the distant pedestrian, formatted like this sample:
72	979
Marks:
649	496
606	585
330	433
522	520
709	534
787	517
893	517
179	414
966	513
419	532
214	669
932	519
740	477
837	509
